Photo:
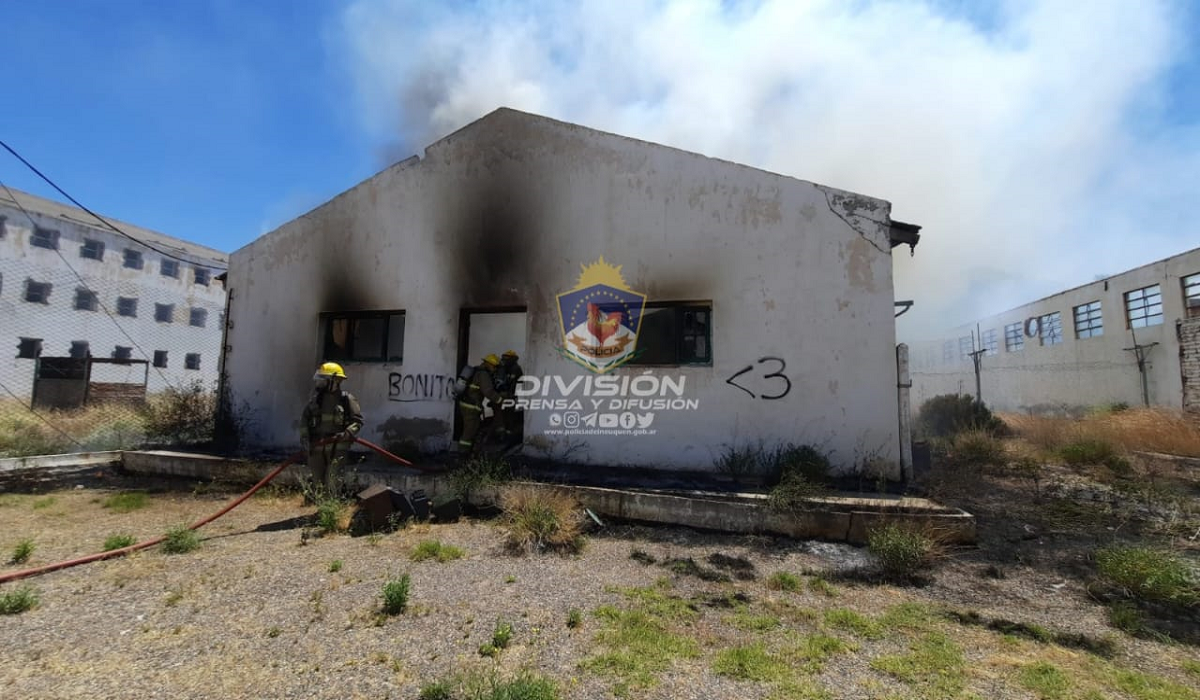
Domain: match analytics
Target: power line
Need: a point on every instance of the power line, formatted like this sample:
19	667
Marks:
95	295
100	218
41	417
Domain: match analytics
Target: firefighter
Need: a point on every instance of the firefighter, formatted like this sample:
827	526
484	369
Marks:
331	412
506	385
480	386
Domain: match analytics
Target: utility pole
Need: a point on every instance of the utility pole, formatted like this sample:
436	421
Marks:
1139	352
977	360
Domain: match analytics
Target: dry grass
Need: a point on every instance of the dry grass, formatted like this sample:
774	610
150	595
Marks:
99	427
1145	429
538	518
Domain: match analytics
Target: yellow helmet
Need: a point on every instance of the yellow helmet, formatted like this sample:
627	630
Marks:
492	360
330	370
510	353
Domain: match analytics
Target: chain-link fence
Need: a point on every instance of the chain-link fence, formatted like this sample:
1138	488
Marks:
110	335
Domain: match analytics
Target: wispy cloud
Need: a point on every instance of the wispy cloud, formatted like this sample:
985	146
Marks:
1028	141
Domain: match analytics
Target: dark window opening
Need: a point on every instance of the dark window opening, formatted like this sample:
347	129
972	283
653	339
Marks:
122	352
375	336
85	300
92	250
202	276
3	226
192	360
79	349
127	306
169	268
674	334
199	317
29	348
44	238
160	358
37	292
164	313
133	259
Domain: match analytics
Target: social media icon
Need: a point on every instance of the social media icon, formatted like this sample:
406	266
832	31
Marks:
571	419
590	420
608	420
627	420
644	420
555	419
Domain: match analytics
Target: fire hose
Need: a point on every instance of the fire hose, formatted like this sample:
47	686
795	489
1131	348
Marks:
15	575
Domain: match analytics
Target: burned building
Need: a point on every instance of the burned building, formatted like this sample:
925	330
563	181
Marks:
666	306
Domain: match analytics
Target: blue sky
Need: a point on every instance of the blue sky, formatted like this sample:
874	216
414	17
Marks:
1015	131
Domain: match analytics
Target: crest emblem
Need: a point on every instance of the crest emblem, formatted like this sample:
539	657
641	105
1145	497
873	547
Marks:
600	318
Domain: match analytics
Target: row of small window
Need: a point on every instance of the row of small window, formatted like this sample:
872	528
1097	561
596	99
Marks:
31	349
87	300
94	250
1143	307
668	334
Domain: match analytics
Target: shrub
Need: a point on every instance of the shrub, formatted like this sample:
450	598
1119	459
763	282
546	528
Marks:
1149	574
948	414
432	549
181	415
333	515
127	501
805	461
479	472
536	519
118	541
502	634
18	601
22	551
1087	451
395	595
901	552
180	540
976	447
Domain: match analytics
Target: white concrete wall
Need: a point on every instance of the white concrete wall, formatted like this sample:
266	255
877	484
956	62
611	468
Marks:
1079	372
504	212
58	323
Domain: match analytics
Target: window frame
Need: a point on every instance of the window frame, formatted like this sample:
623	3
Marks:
1014	337
966	346
48	236
129	255
191	361
198	312
1089	324
990	341
29	348
1146	318
122	353
92	249
82	293
160	359
170	313
1048	323
333	352
44	290
681	309
168	264
199	273
78	344
132	301
1190	286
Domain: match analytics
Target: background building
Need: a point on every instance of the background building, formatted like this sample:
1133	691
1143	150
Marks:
1131	338
72	287
769	298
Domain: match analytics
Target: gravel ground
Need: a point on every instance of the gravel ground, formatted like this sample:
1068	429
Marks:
256	612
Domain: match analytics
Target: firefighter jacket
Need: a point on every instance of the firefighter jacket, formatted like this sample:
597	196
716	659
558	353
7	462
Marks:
332	412
480	387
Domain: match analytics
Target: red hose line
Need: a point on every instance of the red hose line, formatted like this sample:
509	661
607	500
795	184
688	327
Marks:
15	575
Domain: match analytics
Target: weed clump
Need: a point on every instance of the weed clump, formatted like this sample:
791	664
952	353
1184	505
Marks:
784	581
1148	574
180	540
481	471
976	447
22	551
395	595
901	553
127	501
950	414
537	519
118	541
18	601
433	549
333	515
1087	451
181	415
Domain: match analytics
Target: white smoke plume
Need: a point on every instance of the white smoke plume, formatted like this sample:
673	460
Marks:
1030	139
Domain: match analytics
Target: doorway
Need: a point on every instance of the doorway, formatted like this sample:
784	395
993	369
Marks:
484	332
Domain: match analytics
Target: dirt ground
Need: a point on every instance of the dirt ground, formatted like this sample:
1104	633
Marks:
259	611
